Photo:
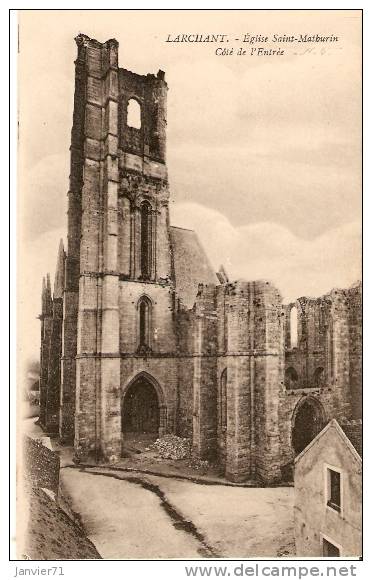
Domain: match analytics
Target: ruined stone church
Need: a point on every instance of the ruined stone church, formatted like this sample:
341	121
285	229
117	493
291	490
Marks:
141	335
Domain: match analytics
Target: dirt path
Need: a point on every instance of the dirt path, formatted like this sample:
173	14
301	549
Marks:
130	519
129	515
238	522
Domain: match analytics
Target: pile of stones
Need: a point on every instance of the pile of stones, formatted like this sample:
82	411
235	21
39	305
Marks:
173	447
200	465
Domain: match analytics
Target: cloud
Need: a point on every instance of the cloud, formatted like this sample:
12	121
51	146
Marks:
229	104
43	193
46	107
269	142
247	187
266	250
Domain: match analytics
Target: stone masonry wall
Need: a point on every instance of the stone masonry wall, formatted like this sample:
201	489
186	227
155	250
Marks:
150	92
46	319
122	168
269	374
329	338
41	464
97	428
186	329
251	353
162	339
54	369
355	351
205	375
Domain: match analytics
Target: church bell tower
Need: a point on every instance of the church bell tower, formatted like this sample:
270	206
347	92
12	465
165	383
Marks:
119	296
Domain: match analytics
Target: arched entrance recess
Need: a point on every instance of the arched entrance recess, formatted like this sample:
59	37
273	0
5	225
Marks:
308	420
143	408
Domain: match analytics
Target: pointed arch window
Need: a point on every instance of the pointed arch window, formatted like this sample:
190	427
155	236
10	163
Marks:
146	240
144	319
293	322
134	114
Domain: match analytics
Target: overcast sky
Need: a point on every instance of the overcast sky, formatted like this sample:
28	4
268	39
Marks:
263	153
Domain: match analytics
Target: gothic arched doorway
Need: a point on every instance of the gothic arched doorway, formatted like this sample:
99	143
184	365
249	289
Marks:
308	421
143	414
141	411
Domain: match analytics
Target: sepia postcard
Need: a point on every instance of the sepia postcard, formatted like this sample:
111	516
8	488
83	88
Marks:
189	285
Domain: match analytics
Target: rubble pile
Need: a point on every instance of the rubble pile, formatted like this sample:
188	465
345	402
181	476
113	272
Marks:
200	465
173	447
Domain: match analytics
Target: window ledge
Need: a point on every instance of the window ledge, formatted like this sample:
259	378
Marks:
334	507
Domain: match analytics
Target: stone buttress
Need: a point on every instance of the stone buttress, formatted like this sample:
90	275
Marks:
97	349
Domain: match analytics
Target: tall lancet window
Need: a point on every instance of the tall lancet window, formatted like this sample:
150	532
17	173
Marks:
293	324
144	314
146	240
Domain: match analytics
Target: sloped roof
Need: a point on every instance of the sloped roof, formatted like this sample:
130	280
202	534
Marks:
333	424
191	265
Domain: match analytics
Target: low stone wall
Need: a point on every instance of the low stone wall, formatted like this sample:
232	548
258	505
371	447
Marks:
41	464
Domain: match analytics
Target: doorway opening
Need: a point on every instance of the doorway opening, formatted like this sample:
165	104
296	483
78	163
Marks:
142	415
309	420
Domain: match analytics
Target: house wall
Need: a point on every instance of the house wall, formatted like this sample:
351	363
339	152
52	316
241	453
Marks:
312	517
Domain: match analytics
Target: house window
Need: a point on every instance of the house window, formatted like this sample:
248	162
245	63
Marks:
334	489
330	550
134	114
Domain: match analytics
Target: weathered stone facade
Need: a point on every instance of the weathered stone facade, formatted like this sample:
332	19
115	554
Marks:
143	311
